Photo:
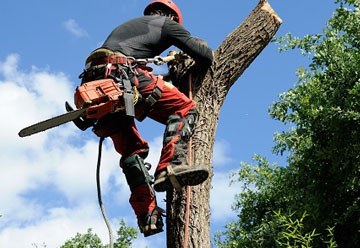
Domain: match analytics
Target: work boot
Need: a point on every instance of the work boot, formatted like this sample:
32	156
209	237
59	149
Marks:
151	223
179	176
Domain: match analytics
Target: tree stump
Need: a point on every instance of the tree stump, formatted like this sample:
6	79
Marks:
209	90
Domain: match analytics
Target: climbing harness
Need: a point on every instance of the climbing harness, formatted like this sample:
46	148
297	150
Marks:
140	168
117	66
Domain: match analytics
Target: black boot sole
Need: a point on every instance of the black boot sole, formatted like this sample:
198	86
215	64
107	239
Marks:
188	177
151	230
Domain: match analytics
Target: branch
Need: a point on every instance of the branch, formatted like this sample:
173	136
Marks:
244	44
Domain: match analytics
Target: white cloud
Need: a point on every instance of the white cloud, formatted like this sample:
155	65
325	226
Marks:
54	229
73	27
221	153
222	197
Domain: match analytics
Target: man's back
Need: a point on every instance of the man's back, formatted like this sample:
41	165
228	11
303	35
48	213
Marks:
149	36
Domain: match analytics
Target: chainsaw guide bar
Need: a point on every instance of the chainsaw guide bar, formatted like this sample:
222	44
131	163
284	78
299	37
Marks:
52	122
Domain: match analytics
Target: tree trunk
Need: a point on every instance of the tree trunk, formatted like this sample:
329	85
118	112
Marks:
209	89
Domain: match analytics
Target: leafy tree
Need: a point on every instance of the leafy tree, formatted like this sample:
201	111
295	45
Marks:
125	235
322	178
263	192
89	239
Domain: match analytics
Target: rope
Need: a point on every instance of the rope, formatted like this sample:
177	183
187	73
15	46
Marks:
188	195
111	244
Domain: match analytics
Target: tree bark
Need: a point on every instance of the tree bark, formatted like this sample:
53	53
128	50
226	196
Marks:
209	89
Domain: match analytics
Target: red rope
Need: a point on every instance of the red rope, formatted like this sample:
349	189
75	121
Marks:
187	213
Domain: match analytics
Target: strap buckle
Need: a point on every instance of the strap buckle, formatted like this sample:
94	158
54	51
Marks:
175	183
155	96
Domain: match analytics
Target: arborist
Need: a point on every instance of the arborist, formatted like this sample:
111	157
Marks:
147	37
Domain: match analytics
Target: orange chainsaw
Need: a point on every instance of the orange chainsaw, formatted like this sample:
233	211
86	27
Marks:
95	99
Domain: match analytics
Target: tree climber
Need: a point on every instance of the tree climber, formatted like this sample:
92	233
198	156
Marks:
146	37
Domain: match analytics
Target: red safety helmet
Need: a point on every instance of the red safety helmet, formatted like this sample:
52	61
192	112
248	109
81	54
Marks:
170	4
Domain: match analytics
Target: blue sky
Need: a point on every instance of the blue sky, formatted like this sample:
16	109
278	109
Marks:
47	180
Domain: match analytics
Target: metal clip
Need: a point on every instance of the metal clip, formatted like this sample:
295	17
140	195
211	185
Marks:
158	60
107	70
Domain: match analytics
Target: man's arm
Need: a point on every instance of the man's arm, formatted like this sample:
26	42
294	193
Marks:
181	38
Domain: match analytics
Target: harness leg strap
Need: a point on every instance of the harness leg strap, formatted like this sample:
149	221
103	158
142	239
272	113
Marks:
152	98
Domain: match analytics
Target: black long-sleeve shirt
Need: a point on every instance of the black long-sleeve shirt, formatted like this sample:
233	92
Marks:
149	36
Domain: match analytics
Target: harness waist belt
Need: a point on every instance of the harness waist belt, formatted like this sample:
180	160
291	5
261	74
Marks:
103	56
111	60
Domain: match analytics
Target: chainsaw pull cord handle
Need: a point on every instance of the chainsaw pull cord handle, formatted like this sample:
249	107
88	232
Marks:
111	241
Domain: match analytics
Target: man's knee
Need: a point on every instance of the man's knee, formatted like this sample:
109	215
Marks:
189	125
183	127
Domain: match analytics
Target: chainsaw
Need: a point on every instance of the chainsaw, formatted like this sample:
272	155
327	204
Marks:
94	100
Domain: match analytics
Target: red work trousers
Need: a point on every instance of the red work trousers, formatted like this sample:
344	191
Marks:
128	141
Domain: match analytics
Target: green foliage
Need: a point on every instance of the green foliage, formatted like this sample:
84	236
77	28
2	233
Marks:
262	190
125	235
267	188
322	178
89	240
292	234
324	111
